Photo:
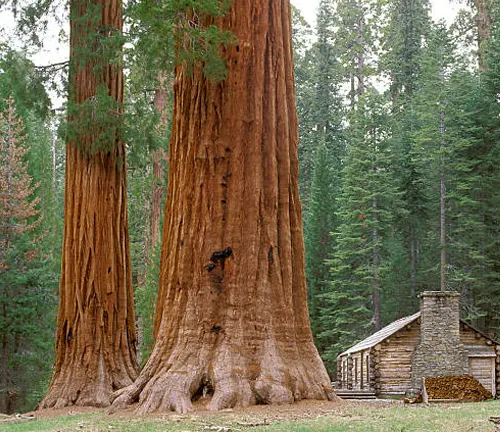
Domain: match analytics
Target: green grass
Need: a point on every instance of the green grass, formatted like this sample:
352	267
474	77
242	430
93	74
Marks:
342	418
449	418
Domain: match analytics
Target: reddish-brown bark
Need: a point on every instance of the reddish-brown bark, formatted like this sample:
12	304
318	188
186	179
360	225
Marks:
232	317
95	341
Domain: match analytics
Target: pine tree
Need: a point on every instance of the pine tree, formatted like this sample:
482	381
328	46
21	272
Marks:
324	141
358	27
475	240
403	40
26	299
304	67
431	152
320	223
17	207
322	123
367	207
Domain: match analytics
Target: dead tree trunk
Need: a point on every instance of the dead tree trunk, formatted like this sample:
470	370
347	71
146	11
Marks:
95	341
232	319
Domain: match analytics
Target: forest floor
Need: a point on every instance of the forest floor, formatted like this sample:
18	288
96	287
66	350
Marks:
376	416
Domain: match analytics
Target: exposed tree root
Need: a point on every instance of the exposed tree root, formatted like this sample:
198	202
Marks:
175	388
99	396
85	386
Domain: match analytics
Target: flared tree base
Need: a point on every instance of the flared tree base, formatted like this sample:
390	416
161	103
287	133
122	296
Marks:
73	389
174	385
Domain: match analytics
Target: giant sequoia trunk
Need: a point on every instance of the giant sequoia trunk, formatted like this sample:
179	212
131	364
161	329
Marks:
95	339
232	319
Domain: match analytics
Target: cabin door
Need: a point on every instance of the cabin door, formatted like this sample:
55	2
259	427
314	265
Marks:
483	369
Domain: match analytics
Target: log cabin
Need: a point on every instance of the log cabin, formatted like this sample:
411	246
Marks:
432	342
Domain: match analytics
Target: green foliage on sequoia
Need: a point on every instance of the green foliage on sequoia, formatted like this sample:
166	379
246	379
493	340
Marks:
167	33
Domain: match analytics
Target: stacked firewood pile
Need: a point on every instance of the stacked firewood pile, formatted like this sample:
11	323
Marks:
459	387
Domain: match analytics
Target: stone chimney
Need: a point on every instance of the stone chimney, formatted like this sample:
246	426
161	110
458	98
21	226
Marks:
440	352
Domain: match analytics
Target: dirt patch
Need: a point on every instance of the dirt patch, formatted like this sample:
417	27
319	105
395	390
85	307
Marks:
63	412
463	388
256	414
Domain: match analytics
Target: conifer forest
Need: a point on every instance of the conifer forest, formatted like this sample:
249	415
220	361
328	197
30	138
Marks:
218	197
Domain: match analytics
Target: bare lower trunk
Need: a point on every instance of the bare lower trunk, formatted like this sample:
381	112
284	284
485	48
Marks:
352	93
443	228
376	269
443	213
95	341
361	53
4	383
232	319
413	258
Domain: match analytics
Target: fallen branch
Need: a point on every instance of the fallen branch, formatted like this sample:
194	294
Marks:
496	421
253	424
218	428
16	418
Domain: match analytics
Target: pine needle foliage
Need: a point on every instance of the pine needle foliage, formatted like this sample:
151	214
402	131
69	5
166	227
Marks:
367	204
27	301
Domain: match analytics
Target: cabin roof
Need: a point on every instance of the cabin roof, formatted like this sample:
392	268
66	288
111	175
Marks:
382	334
394	327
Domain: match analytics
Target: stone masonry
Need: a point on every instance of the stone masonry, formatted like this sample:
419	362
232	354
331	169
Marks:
440	352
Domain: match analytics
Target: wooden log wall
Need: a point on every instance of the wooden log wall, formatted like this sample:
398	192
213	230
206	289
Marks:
386	368
482	368
498	370
340	373
349	373
469	337
394	367
375	368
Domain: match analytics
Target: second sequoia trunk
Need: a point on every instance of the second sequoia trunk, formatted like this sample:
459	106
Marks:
232	319
95	340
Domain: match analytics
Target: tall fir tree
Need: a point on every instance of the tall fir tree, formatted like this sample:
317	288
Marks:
478	244
320	223
368	203
26	279
404	35
430	154
324	141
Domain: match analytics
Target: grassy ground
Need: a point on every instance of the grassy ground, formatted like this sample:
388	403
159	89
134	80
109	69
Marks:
334	417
